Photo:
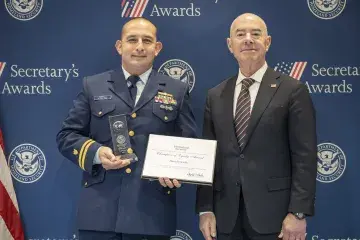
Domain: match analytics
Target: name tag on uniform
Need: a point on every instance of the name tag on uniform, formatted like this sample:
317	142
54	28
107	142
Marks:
103	97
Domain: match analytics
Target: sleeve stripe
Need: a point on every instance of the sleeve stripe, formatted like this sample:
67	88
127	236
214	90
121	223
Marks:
82	151
82	159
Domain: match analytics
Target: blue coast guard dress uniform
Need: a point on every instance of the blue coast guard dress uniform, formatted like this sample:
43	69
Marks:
119	200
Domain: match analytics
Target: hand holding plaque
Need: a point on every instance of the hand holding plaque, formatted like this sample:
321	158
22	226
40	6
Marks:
120	138
109	160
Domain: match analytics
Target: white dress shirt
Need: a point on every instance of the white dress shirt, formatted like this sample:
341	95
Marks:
253	89
140	84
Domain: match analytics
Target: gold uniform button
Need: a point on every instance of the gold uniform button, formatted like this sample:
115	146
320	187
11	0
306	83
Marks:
100	112
166	118
128	170
133	115
131	133
168	192
130	151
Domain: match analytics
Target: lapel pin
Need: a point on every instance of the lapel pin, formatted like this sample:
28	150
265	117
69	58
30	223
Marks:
273	85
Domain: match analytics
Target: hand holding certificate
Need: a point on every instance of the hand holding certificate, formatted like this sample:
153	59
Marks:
185	159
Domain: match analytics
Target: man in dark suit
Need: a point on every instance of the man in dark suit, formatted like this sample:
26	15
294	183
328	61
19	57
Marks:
115	203
265	169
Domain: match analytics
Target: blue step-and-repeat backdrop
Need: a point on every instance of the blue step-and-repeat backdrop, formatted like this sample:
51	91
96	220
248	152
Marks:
47	47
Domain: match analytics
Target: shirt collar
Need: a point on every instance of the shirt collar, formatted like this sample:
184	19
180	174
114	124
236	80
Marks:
143	77
257	76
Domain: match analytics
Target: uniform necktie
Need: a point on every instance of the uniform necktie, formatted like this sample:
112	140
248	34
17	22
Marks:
132	88
242	114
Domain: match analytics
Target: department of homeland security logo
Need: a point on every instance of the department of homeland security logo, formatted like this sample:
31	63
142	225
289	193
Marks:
179	70
24	9
133	8
27	163
326	9
181	235
331	162
292	69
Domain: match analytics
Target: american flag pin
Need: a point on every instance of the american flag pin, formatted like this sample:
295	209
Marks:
273	85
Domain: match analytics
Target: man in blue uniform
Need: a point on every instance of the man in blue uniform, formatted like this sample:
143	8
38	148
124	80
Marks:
115	203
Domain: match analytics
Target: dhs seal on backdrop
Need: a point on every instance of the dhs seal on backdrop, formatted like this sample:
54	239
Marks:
179	70
24	9
27	163
326	9
331	162
181	235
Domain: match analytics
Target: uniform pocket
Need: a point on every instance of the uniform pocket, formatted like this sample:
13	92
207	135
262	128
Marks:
166	113
100	129
101	110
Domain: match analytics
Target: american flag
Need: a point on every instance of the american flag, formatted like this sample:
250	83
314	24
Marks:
2	66
293	69
133	8
10	222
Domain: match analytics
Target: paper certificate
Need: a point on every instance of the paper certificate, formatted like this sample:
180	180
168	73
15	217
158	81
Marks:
185	159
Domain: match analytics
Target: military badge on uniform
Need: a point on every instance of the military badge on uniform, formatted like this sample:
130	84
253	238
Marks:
120	138
166	100
166	107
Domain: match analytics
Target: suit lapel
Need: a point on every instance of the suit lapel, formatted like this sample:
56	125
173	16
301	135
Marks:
119	86
150	90
268	87
227	97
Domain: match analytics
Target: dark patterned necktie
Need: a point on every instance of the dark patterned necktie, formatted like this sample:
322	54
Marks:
242	114
132	88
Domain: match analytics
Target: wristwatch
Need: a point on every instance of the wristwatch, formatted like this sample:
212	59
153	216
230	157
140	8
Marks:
299	216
